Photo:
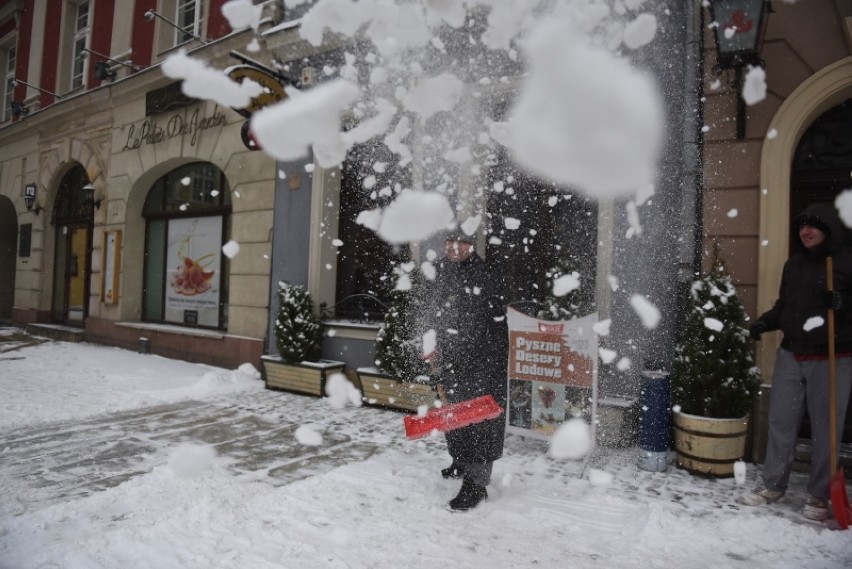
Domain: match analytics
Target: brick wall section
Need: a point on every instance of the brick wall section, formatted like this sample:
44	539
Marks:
228	352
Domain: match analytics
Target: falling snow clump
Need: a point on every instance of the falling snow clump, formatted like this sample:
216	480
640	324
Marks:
571	440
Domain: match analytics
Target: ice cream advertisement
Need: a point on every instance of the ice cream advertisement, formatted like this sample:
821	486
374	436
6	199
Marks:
552	373
193	271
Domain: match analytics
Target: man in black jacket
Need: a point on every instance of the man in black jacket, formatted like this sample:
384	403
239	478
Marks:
801	367
470	359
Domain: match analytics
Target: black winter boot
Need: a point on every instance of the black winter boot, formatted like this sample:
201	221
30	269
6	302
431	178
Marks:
469	496
453	471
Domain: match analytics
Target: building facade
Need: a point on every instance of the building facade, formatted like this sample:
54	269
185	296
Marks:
118	194
133	187
795	149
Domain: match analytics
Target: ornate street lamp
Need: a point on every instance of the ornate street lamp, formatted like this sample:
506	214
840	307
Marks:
89	195
739	28
30	198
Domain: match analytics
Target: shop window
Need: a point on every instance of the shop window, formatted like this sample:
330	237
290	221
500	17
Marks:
365	262
79	13
8	68
558	234
187	214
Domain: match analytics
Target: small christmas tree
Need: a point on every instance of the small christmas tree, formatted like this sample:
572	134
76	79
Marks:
298	331
397	352
714	374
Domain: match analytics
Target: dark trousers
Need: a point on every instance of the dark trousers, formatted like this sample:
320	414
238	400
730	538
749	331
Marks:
794	385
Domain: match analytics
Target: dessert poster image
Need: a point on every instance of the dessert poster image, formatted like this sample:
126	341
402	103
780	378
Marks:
552	373
193	268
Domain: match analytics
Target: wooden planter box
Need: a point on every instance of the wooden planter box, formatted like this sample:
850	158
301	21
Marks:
709	446
382	390
305	377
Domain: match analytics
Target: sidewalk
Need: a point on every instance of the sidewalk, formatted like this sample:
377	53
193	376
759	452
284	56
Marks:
60	461
107	490
55	462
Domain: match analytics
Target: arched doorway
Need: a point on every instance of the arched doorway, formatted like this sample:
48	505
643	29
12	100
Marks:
73	220
823	160
820	171
8	252
816	96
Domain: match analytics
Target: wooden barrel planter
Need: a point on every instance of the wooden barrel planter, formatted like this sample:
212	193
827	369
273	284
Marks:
709	446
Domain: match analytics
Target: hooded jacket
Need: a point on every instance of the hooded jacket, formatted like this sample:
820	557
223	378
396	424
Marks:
804	284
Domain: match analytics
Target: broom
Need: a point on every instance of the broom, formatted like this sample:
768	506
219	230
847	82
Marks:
837	485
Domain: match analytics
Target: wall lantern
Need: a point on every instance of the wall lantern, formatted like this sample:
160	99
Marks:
89	195
739	28
30	198
103	71
19	109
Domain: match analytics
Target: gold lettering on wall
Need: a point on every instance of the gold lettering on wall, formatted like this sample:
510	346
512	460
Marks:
179	124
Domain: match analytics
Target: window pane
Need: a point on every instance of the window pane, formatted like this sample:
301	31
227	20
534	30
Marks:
9	90
82	17
81	32
188	19
79	64
155	248
188	189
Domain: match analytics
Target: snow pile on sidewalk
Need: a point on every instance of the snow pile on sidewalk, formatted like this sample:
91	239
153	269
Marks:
58	380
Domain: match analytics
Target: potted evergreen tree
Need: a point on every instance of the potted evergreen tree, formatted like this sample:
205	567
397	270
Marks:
298	333
398	379
714	377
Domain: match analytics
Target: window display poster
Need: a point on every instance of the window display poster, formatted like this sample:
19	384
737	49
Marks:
193	266
552	373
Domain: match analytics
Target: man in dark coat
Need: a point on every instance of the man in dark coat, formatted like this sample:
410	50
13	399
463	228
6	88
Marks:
800	378
470	359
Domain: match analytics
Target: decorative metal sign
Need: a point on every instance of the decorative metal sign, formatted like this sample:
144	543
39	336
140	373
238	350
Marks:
273	90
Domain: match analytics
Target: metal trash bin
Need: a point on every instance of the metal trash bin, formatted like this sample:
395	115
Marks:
144	346
655	421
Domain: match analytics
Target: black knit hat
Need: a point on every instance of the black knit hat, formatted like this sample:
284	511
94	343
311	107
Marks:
461	237
812	221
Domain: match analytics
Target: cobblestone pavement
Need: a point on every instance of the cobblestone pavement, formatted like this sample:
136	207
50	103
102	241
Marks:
63	460
254	432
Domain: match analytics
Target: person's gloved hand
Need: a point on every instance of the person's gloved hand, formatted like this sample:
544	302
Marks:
756	329
832	300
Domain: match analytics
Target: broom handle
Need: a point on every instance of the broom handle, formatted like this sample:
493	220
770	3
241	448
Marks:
832	369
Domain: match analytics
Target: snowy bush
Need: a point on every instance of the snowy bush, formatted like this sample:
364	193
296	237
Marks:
298	330
397	352
714	374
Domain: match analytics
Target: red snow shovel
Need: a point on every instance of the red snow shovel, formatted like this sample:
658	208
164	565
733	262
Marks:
837	486
452	417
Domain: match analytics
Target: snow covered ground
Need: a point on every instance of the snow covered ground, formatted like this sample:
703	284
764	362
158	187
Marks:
111	459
